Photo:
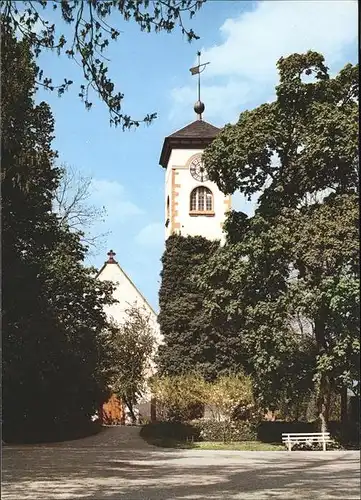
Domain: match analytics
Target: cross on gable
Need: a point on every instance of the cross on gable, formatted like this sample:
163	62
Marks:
111	256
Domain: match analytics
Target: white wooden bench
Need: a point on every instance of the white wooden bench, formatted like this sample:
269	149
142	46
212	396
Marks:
306	437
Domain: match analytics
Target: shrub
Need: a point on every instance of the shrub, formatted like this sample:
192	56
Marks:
333	445
179	398
56	433
226	431
271	432
176	431
249	413
144	420
348	435
229	394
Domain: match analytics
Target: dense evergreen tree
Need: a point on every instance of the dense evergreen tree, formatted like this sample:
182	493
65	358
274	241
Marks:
55	333
191	342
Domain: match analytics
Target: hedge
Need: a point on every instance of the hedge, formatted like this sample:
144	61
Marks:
214	430
200	430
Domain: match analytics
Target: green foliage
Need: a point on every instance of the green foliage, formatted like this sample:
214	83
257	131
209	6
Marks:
55	333
179	397
133	348
169	431
285	284
237	446
90	35
328	285
244	287
299	145
271	432
228	394
166	433
182	397
314	446
226	431
190	342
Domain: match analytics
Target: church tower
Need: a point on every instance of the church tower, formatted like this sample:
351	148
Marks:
194	206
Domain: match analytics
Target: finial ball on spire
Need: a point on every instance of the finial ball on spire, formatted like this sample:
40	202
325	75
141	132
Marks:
199	107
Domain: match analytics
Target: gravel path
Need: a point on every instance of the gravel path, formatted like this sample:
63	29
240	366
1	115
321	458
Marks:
116	464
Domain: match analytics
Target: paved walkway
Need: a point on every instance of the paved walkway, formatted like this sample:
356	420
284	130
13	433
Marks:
117	465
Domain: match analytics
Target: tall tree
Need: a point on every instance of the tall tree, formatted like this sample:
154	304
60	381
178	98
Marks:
55	365
191	342
243	287
298	147
92	31
300	250
134	346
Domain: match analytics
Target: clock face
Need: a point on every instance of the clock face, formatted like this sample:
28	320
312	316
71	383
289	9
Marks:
198	171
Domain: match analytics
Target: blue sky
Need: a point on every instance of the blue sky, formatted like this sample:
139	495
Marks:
242	41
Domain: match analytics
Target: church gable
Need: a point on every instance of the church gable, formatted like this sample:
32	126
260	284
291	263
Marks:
126	293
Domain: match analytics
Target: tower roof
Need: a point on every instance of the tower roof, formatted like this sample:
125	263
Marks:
198	128
197	134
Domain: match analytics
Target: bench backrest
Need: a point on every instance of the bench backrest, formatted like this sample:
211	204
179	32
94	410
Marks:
305	435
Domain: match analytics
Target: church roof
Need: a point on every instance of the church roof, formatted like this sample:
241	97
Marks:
111	261
197	134
198	128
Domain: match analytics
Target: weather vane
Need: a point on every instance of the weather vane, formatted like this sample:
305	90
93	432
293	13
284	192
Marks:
196	70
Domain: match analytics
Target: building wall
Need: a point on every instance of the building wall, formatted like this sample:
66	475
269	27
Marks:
112	412
127	294
179	184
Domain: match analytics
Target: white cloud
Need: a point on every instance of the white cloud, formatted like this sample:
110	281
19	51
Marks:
252	43
112	195
151	236
256	40
222	101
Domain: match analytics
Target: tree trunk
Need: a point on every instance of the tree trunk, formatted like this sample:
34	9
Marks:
131	411
344	413
323	419
324	386
322	409
327	403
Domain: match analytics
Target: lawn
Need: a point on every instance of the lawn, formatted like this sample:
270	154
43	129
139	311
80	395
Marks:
239	446
217	445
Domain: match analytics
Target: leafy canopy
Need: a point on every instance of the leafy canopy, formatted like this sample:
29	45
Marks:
286	281
92	30
56	367
300	145
180	394
134	345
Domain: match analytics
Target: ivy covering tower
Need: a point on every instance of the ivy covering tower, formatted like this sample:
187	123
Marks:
188	343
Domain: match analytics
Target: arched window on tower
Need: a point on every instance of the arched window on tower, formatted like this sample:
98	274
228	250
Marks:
201	201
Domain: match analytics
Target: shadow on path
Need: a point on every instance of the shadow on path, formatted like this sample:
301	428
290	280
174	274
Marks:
118	464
